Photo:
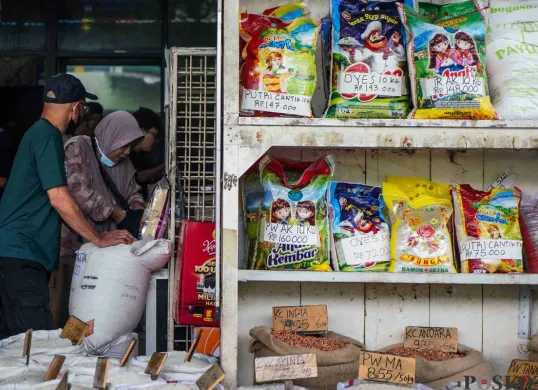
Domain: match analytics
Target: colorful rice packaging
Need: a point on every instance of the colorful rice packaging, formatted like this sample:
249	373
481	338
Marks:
294	228
253	194
369	65
447	62
278	74
360	231
487	228
420	212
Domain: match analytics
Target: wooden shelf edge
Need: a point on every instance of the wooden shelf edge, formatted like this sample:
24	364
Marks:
245	276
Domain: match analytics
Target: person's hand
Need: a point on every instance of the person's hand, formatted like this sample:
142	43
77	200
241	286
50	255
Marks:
116	237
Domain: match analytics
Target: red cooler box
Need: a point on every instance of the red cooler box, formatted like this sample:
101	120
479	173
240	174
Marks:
195	273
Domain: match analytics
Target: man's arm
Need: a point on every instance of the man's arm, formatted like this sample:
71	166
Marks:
68	209
149	176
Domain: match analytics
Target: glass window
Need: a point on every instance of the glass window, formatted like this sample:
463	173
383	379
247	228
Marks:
21	30
122	87
97	25
192	23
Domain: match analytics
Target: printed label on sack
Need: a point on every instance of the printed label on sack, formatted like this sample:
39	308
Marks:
453	83
282	103
291	234
492	249
371	83
360	250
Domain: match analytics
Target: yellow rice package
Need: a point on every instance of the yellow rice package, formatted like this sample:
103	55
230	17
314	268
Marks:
446	53
420	212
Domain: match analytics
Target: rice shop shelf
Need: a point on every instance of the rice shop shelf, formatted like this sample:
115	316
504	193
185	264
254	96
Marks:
373	308
247	276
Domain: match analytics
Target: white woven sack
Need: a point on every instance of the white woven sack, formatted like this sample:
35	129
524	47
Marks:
110	285
512	58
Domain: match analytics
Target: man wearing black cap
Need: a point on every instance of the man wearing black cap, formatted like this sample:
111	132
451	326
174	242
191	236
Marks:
34	202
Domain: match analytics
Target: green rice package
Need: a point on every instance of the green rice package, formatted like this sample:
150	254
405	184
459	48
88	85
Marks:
253	194
369	64
447	61
293	230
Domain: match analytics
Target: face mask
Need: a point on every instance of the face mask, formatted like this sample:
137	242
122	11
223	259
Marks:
104	159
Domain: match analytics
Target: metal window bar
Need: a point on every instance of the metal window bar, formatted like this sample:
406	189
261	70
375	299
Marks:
192	152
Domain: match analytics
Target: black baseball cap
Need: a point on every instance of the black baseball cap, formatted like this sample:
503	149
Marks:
66	89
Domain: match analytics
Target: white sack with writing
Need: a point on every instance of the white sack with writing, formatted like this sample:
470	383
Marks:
110	286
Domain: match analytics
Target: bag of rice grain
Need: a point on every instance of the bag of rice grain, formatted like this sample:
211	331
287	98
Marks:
294	226
337	356
420	211
511	56
438	369
369	68
447	62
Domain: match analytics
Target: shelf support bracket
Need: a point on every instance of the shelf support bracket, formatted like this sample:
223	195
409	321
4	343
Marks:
525	312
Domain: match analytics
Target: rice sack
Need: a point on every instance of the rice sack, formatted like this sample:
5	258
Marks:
253	194
447	62
487	229
369	66
420	213
360	231
294	227
278	74
512	58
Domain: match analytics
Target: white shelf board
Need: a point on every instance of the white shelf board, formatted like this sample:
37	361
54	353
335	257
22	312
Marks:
383	277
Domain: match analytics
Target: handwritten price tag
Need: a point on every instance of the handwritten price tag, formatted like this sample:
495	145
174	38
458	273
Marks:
290	234
436	339
492	249
281	368
74	330
382	367
308	319
371	83
365	249
522	375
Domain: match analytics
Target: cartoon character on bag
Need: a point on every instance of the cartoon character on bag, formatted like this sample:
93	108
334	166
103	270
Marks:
305	213
280	211
465	53
378	53
441	54
275	77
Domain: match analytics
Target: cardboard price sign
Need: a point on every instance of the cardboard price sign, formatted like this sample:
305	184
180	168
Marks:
74	330
211	378
282	368
437	339
523	374
308	319
382	367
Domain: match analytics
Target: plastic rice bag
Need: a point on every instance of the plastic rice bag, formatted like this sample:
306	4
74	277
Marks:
253	194
278	75
294	228
420	237
487	228
360	231
326	52
447	62
369	65
154	221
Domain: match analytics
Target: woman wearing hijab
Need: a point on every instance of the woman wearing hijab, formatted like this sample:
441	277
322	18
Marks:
101	179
